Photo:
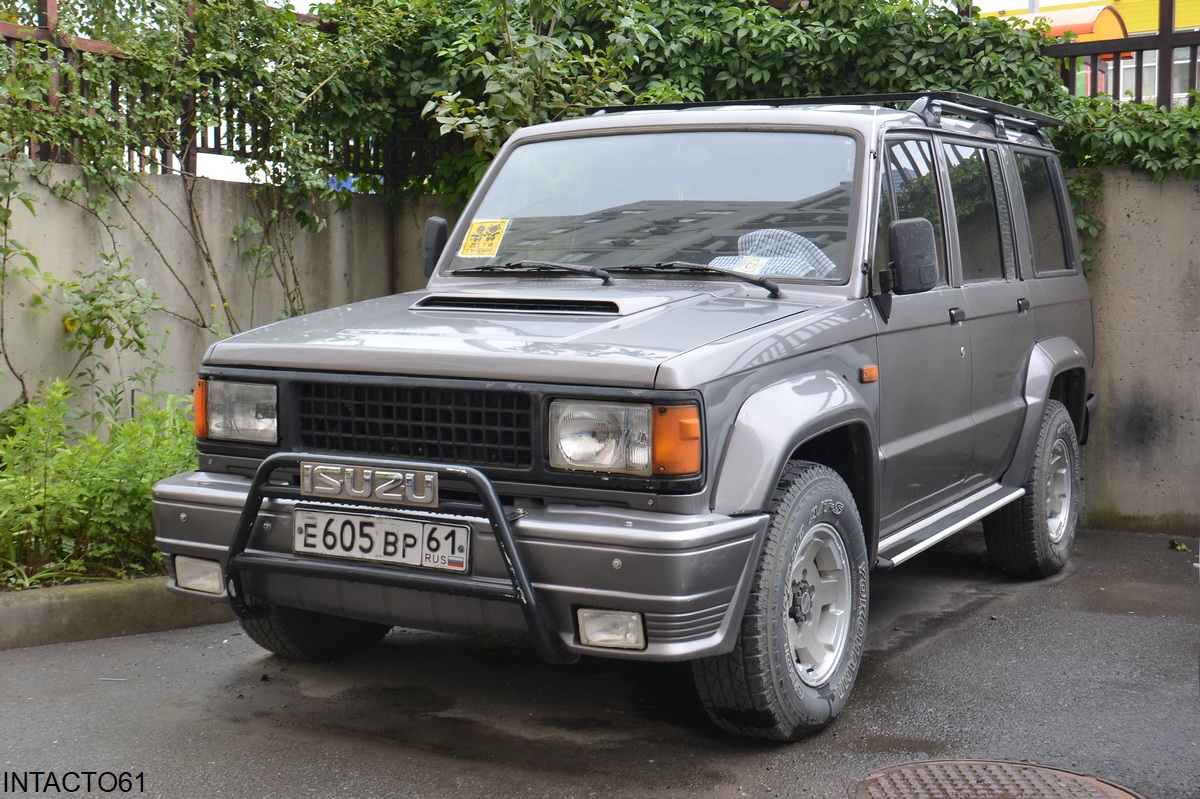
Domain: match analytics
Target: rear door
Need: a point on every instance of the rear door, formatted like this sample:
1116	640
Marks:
997	300
1059	293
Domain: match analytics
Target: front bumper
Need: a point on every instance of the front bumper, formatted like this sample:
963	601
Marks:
688	575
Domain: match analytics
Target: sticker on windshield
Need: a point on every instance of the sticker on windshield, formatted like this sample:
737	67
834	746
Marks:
751	266
483	239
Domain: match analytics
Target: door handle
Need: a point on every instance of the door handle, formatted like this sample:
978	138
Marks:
1022	304
957	315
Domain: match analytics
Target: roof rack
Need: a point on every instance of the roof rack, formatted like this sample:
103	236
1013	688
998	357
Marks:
930	106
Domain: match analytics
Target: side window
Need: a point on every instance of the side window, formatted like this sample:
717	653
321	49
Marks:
981	212
910	190
1046	214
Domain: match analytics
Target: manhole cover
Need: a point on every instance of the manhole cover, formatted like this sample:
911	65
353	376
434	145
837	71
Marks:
983	779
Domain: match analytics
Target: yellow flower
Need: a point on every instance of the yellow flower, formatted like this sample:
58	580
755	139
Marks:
70	323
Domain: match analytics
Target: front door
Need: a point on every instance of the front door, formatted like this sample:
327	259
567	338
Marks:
926	430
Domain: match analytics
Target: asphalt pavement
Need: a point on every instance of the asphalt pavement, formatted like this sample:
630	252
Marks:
1094	670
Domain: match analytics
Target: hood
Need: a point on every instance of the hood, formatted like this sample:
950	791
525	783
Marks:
532	331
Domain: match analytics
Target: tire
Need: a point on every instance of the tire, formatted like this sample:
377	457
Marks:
305	635
1032	537
801	640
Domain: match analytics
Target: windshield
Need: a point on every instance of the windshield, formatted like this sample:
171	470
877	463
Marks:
757	202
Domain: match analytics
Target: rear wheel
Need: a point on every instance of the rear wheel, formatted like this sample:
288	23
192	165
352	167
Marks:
802	635
1032	537
306	635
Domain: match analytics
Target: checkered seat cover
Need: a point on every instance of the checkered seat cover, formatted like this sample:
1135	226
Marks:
782	253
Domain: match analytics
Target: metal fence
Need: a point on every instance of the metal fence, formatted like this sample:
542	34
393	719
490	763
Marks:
1160	67
214	125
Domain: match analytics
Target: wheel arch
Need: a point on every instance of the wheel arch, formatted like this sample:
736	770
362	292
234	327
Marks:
818	418
1058	370
847	450
1070	388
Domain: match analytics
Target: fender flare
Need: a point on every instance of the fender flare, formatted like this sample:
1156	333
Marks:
1047	360
768	428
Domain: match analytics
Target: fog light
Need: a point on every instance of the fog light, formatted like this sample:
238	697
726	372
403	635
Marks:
199	575
615	629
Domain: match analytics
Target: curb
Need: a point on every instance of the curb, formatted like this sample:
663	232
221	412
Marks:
62	614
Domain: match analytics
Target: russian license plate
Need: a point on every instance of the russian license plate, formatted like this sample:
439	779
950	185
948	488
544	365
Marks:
385	539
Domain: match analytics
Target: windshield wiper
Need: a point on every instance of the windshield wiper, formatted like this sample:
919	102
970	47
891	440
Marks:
539	266
688	266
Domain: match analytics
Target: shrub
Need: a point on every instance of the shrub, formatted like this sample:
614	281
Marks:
75	504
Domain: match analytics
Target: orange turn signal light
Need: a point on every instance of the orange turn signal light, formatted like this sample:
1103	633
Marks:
200	408
868	374
676	439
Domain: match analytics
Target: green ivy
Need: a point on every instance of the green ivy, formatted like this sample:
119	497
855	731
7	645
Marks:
1157	141
1086	187
17	262
460	78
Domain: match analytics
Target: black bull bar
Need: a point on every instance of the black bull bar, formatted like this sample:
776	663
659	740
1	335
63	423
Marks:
518	590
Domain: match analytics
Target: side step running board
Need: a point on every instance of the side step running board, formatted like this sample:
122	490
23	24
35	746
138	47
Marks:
903	544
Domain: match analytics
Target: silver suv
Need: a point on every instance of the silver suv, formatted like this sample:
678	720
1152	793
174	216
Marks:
681	378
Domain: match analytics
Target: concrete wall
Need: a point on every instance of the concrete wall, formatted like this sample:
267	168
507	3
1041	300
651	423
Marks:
1142	462
365	252
410	234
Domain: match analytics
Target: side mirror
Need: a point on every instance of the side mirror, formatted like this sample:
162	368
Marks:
913	248
436	233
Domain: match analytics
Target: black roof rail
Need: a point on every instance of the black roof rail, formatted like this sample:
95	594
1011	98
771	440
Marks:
773	102
930	106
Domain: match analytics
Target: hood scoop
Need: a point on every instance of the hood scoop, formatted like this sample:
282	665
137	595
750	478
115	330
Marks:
462	302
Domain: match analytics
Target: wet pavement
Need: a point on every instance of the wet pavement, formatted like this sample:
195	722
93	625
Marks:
1094	671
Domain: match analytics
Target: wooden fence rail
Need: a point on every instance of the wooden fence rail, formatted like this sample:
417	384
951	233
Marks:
209	122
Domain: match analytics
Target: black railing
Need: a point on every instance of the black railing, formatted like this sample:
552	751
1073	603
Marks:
1159	67
1125	68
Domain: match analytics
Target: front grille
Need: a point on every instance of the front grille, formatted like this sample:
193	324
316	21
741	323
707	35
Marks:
475	427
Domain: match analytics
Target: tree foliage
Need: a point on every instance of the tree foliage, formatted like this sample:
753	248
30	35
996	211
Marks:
1157	141
438	85
475	70
454	79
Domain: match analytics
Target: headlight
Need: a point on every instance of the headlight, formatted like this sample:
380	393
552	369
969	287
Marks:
229	411
624	438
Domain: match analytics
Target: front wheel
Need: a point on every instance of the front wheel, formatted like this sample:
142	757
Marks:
298	634
802	635
1032	537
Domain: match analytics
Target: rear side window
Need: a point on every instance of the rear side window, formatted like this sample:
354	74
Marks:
980	212
1047	217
